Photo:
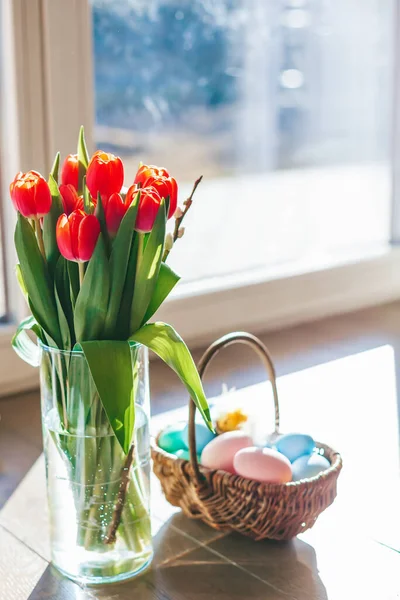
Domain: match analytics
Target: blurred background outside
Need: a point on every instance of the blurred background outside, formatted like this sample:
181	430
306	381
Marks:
284	106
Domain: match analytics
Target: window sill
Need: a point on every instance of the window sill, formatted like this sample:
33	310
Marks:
284	296
259	301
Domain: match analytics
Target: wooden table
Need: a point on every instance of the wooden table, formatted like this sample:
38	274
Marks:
351	553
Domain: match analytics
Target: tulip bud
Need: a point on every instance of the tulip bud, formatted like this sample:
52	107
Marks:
181	231
70	199
169	242
146	172
149	204
70	171
114	212
104	175
167	188
77	235
30	194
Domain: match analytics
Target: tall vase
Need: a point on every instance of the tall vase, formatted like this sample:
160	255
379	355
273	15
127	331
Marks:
98	496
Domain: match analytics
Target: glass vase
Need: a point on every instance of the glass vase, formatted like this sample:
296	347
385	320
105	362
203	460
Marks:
98	496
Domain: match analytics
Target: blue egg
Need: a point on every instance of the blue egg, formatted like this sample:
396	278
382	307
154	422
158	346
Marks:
170	438
309	466
203	436
294	445
184	455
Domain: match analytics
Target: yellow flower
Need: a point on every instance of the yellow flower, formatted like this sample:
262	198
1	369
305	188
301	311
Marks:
231	421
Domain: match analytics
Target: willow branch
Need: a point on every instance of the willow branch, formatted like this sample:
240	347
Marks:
178	221
119	505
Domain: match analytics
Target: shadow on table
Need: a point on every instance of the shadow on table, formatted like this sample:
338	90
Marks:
226	567
232	566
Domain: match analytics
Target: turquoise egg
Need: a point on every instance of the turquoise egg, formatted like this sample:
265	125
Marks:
294	445
309	466
184	455
170	438
203	436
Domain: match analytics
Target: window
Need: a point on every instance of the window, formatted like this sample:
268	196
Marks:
284	107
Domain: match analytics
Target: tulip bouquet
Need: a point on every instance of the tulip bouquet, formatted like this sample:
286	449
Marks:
92	267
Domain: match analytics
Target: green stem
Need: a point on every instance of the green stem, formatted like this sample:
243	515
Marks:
39	236
81	267
139	253
63	395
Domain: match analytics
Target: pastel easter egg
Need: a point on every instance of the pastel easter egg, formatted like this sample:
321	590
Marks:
294	445
220	452
170	438
309	466
203	436
263	464
184	455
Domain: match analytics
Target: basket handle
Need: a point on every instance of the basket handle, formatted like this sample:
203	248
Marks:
239	337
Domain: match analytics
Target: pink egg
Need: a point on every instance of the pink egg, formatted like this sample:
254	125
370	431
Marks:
263	464
219	453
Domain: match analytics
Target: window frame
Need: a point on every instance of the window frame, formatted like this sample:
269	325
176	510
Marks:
34	77
43	76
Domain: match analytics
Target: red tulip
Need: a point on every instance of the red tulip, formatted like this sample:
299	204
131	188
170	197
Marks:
70	199
150	175
114	211
70	171
30	194
105	174
165	186
149	204
77	235
146	172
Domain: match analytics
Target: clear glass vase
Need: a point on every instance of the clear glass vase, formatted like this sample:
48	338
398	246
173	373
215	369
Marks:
98	496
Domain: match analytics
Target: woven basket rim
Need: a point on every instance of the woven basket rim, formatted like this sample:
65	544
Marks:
335	467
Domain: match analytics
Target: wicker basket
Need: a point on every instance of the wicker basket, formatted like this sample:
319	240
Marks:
233	503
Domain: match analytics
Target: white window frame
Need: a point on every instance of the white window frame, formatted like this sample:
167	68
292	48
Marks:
49	83
43	67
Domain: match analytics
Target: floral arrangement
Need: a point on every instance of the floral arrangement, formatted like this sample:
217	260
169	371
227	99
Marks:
93	269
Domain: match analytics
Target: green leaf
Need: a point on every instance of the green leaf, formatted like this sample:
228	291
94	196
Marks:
99	212
23	345
92	302
55	168
124	314
167	201
88	205
62	319
110	364
73	273
49	226
64	303
167	280
45	337
170	347
83	158
21	282
36	278
148	267
119	261
83	155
